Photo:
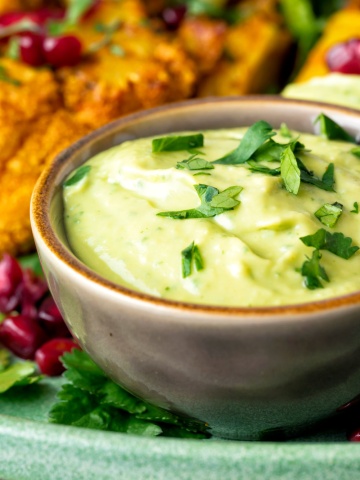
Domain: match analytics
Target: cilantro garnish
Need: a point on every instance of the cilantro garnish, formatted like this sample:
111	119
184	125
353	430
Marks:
356	208
92	400
79	174
189	255
312	271
255	136
257	167
213	203
195	163
327	181
329	213
355	151
284	131
177	142
290	172
335	243
74	12
5	77
331	130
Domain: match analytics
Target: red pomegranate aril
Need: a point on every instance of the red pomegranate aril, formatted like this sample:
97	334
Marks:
64	51
48	355
354	436
31	51
31	290
21	335
173	16
10	277
345	57
51	319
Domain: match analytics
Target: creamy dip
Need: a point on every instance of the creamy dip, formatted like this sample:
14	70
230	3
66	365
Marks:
333	88
252	255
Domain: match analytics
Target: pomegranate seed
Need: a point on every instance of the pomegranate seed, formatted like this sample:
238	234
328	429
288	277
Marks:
51	319
345	57
31	290
354	436
31	49
42	15
12	17
64	51
21	335
173	16
48	355
10	277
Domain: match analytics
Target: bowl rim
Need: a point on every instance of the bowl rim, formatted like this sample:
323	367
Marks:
45	187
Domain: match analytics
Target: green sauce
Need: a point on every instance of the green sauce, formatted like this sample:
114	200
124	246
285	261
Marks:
251	254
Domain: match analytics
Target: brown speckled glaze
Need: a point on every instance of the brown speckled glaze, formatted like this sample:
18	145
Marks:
245	371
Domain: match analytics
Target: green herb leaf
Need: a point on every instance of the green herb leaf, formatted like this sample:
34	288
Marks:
195	163
4	359
326	183
209	204
13	48
92	400
5	77
312	271
331	130
177	142
290	172
255	136
335	243
356	151
284	131
79	174
76	9
32	262
258	168
356	208
18	374
189	255
329	214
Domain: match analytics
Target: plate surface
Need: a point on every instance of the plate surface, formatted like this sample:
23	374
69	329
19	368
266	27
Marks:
32	449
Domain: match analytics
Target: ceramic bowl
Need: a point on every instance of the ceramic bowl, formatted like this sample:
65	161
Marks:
248	372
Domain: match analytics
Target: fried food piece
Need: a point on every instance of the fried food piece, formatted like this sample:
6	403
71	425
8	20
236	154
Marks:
16	5
254	51
133	67
341	27
44	139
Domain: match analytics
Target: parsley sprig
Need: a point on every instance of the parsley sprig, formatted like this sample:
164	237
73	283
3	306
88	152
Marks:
213	203
173	143
335	243
194	163
90	399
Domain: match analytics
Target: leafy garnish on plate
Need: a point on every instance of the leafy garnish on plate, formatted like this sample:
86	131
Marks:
329	213
18	374
335	243
92	400
312	271
355	208
174	143
190	255
331	130
79	174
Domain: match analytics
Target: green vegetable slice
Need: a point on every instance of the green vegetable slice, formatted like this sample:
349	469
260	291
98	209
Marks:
177	142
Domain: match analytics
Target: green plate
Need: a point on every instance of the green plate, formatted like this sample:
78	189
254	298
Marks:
31	449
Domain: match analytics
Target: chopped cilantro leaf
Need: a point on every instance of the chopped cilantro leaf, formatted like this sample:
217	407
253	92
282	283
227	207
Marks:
195	163
177	142
327	181
255	136
189	255
210	204
331	130
312	272
329	213
290	172
356	208
257	167
284	131
335	243
79	174
356	151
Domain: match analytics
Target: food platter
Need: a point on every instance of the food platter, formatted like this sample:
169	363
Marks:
31	448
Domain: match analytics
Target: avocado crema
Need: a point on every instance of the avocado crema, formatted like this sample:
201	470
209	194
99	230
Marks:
231	217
